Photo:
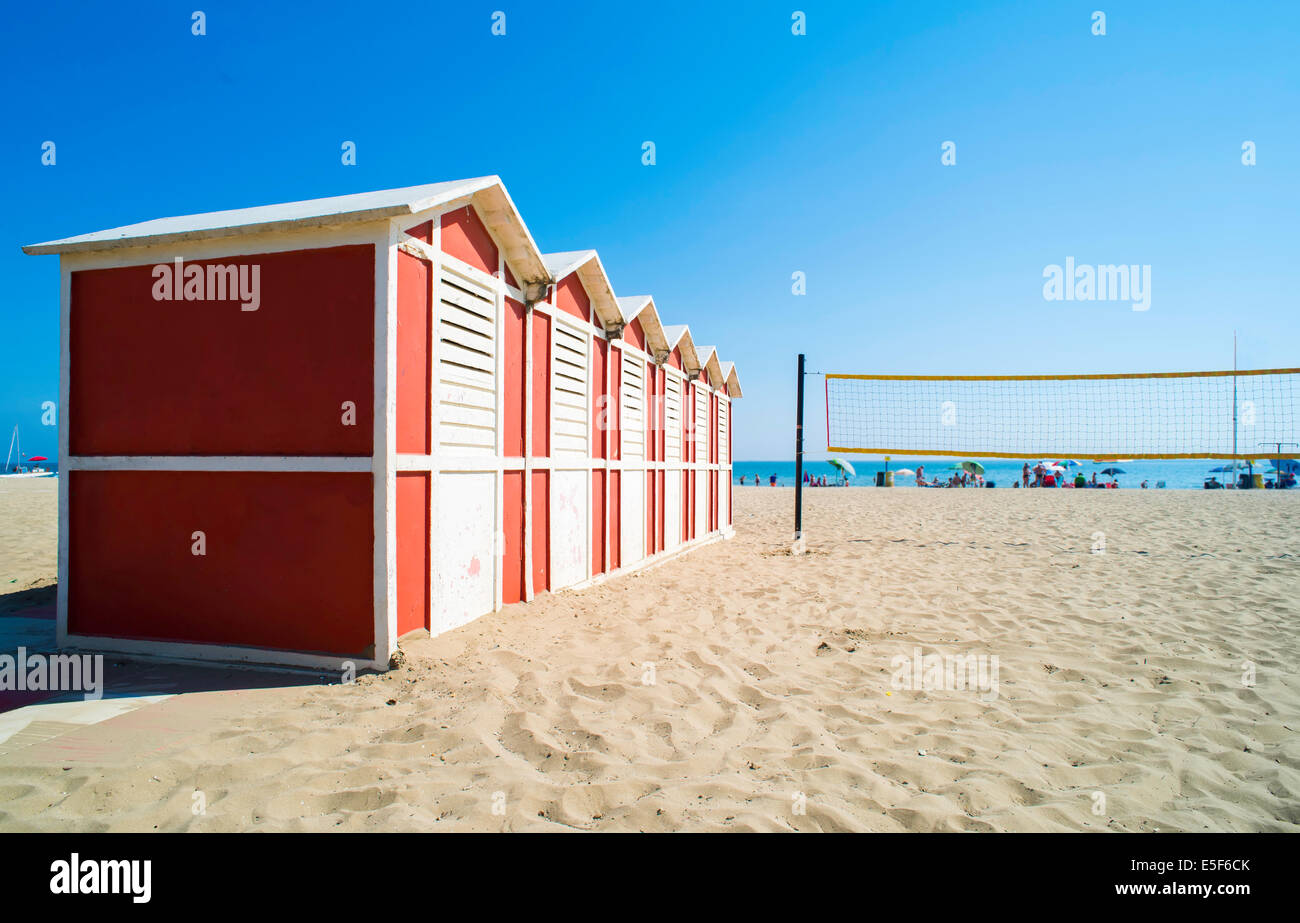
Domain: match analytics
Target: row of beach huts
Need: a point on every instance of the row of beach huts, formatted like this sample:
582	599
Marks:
297	433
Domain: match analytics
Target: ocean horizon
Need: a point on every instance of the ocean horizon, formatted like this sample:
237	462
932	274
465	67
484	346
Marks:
1177	474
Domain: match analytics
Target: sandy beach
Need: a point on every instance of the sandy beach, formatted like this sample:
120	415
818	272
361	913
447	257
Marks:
741	687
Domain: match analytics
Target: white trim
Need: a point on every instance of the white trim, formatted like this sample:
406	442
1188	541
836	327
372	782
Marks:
206	653
498	495
473	273
65	430
435	403
528	452
385	444
329	463
229	247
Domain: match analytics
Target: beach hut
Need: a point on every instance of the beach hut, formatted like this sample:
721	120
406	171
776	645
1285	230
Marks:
297	433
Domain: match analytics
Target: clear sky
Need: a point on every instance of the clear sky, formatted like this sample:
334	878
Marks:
776	153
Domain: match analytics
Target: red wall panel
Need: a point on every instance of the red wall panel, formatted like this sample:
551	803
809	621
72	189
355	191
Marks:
663	415
649	519
541	386
599	399
414	369
690	504
465	237
422	232
512	443
412	551
614	406
597	522
512	527
651	415
541	509
207	378
731	491
663	511
615	521
289	561
686	506
635	335
570	296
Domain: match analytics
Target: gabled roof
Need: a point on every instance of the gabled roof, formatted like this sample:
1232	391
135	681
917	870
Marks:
591	272
731	379
679	335
709	363
487	193
642	308
560	265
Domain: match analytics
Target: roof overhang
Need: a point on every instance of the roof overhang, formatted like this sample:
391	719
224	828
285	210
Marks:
708	356
731	379
642	308
486	193
594	279
679	337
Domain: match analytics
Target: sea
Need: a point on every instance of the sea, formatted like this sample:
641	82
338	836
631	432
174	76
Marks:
1177	474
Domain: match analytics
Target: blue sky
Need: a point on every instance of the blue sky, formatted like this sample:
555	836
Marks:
776	153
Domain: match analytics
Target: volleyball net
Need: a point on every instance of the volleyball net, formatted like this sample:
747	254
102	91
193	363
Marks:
1147	415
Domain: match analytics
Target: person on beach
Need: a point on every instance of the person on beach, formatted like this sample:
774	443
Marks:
1024	474
771	480
920	475
1039	471
1080	480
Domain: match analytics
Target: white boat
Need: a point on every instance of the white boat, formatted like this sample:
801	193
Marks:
21	469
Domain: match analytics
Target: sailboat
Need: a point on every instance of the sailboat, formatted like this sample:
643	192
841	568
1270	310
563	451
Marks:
20	468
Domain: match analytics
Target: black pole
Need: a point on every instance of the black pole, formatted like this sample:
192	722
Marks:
798	456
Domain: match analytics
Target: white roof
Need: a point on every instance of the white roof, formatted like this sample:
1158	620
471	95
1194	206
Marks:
673	334
644	308
360	206
632	305
592	275
560	265
679	336
731	379
487	192
710	364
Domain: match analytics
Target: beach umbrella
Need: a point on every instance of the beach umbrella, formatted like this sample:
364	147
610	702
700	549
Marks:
905	472
1070	463
841	465
1223	468
1113	471
973	467
38	458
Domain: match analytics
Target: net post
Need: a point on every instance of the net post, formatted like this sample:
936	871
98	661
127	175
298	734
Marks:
798	455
